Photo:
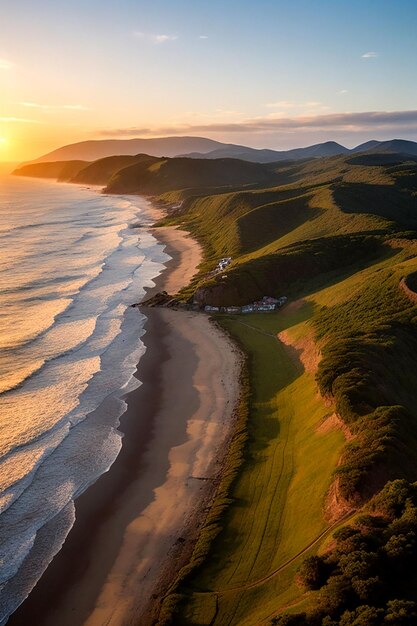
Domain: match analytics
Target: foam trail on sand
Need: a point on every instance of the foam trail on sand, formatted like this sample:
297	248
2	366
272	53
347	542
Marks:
71	266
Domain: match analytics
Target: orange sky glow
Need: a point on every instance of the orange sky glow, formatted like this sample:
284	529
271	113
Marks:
269	75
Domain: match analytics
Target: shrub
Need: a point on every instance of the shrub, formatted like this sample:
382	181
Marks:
312	573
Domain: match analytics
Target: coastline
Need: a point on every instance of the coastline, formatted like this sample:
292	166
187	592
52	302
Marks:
129	527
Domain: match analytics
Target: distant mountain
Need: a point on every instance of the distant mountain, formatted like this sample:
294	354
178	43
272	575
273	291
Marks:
399	146
60	170
149	174
191	147
231	151
98	149
369	145
329	148
203	148
326	149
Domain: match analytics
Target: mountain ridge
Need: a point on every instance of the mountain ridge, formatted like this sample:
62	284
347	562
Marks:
94	149
204	148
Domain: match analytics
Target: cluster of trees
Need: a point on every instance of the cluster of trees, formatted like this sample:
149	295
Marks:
368	578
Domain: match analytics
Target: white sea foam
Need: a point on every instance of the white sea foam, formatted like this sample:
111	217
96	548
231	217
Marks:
70	267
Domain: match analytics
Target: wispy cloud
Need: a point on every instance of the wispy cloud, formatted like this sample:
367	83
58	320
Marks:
20	120
74	107
343	91
203	37
5	64
49	107
348	122
370	55
284	107
154	38
285	104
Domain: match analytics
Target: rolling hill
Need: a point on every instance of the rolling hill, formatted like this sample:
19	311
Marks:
329	148
60	170
101	171
164	175
319	504
315	519
399	146
200	147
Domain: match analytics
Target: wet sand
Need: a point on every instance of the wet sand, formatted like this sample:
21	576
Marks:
136	525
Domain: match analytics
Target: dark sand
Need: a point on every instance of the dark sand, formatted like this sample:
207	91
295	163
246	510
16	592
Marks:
128	522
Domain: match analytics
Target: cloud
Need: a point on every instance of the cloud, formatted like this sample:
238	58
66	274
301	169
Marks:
368	121
155	39
74	107
203	37
6	65
284	104
49	107
284	108
343	91
370	55
22	120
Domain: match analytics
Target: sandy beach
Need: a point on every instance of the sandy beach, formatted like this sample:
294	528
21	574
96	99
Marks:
136	525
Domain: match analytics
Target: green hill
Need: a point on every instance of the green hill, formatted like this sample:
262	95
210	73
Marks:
278	235
331	406
164	175
101	171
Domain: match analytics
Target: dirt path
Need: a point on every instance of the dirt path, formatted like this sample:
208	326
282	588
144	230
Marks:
268	577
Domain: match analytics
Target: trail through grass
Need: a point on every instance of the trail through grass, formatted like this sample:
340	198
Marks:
277	508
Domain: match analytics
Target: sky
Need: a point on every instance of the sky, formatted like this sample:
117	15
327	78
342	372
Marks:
265	73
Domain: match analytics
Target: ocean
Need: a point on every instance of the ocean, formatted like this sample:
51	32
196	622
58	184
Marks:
72	261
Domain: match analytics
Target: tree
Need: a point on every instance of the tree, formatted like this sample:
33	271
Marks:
401	613
362	616
312	572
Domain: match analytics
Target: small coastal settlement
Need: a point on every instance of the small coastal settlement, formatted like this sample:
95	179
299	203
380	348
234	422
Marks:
267	304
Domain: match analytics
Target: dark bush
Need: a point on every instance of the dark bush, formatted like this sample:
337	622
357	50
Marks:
313	572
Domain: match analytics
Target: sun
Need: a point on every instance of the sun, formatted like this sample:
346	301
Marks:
4	148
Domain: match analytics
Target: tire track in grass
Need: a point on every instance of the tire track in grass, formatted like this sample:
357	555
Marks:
258	493
268	577
271	575
281	453
265	488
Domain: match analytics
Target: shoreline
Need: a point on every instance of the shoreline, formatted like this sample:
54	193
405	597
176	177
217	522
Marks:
164	441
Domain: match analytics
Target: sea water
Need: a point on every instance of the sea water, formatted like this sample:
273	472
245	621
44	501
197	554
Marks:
72	262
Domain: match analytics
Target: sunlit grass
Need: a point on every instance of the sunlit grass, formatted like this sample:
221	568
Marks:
282	484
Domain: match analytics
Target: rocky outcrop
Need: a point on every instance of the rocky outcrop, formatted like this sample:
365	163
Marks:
161	299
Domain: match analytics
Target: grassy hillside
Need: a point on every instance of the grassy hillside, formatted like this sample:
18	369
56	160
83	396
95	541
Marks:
323	214
60	170
100	172
181	173
332	417
280	511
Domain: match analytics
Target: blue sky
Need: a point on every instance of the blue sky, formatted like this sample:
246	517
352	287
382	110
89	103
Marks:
267	73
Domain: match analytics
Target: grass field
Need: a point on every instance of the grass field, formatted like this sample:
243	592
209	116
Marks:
276	516
282	484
